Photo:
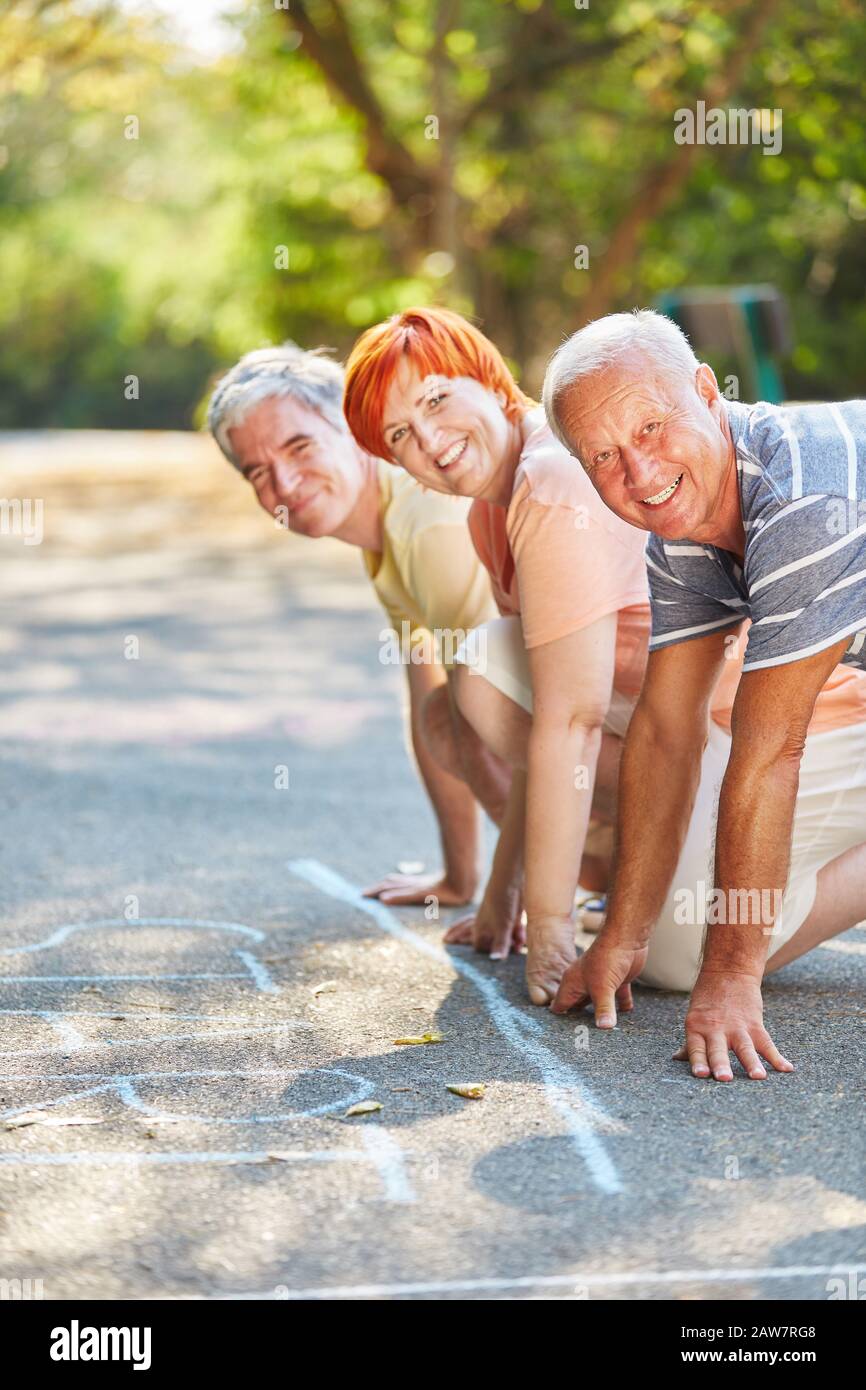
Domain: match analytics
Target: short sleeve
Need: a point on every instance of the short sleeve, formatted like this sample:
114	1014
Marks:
679	611
806	577
571	570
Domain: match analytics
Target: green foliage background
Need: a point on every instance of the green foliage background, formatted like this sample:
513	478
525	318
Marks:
156	256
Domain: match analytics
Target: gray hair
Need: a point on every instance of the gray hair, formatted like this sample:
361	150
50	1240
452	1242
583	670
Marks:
602	344
309	377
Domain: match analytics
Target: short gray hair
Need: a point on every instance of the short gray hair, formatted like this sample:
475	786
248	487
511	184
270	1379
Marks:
601	344
308	376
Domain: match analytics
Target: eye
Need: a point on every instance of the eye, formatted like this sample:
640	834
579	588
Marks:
602	458
434	400
652	427
398	435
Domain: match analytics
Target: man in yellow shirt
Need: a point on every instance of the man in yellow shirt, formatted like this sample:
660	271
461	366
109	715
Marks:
278	417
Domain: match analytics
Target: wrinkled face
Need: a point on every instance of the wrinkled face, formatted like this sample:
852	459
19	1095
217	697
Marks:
654	446
450	433
295	458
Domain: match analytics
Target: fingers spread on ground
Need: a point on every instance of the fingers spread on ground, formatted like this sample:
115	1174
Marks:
717	1056
459	933
767	1048
696	1048
624	999
749	1059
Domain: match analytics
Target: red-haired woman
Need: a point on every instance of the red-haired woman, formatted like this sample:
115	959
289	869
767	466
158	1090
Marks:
551	686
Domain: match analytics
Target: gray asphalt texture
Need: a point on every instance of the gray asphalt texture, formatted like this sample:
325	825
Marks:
139	790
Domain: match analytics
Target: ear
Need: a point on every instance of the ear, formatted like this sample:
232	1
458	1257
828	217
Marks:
706	384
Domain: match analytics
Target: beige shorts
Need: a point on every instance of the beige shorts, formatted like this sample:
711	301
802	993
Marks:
830	816
495	650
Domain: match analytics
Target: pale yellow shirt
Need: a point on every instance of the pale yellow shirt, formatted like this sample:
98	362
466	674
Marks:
428	575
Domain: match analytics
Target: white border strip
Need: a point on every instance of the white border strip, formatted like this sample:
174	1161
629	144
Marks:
577	1279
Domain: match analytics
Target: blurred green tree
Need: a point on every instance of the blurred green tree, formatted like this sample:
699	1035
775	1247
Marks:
343	161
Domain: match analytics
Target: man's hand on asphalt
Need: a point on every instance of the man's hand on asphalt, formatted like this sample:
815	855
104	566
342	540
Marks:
726	1015
602	976
496	928
406	890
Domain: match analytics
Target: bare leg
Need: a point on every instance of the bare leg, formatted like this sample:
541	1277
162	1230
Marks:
500	723
505	727
840	903
458	749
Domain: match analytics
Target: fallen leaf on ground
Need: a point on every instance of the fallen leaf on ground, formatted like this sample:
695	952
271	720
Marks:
474	1090
39	1117
417	1042
326	987
364	1107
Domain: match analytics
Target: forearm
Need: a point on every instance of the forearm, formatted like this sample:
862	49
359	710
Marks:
561	766
753	845
659	778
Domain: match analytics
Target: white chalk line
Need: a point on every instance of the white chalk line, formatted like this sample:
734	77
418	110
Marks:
255	969
388	1165
61	934
554	1281
123	1086
74	1041
380	1148
87	979
565	1093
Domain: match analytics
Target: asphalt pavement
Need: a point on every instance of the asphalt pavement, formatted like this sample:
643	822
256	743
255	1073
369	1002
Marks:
202	762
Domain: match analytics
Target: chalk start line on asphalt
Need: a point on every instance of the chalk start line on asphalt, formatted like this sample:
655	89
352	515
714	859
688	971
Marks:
563	1090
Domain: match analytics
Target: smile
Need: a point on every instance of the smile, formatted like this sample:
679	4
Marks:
659	497
452	455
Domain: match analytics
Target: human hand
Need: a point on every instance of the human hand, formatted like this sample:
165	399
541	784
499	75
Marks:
602	976
404	890
726	1014
496	928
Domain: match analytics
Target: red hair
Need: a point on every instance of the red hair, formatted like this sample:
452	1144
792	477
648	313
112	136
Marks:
433	341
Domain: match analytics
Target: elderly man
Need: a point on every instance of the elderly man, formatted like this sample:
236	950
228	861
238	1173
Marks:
756	512
277	416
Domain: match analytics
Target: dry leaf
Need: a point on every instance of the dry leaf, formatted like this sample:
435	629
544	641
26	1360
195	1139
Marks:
364	1107
417	1042
41	1117
326	987
474	1090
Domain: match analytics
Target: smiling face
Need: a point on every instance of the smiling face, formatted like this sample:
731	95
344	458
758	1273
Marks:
656	447
294	458
450	433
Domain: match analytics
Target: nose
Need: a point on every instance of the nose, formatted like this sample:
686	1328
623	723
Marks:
641	469
285	475
428	436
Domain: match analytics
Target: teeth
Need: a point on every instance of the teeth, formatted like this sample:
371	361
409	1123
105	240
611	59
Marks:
451	454
664	495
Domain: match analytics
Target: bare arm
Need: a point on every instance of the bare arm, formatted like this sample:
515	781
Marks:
659	776
753	843
572	679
